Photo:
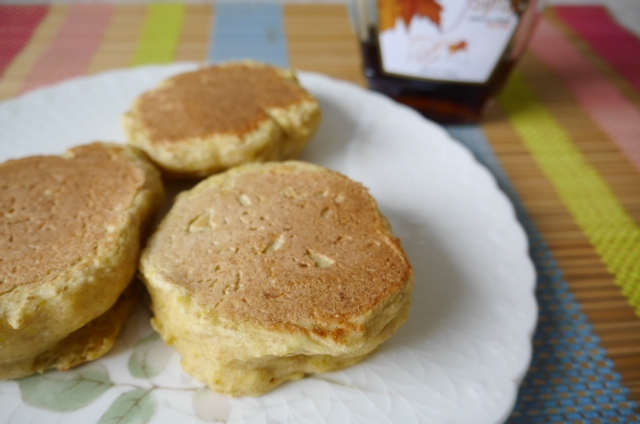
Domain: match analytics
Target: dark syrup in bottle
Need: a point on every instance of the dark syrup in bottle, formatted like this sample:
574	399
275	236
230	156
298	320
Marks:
442	101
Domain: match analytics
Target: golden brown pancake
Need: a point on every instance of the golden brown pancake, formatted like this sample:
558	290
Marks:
202	122
70	234
91	341
268	272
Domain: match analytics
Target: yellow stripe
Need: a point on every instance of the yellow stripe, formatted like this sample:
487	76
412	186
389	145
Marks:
594	206
160	34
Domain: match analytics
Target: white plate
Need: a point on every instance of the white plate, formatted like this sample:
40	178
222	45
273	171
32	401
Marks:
467	343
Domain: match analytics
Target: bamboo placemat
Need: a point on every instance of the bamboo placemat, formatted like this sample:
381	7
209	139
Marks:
562	140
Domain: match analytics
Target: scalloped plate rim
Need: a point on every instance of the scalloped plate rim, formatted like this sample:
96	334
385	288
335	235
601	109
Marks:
306	77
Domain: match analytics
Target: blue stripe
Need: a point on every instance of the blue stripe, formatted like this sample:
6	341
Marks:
249	31
568	357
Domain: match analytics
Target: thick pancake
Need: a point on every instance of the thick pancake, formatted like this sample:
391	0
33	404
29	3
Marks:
270	261
205	121
69	240
89	342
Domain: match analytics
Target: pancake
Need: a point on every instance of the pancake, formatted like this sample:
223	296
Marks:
70	233
268	272
202	122
89	342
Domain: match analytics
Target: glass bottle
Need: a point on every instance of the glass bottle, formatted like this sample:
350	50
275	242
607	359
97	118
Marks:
444	58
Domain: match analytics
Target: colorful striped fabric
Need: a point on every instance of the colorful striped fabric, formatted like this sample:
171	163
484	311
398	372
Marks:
160	34
618	46
16	25
245	31
68	54
562	140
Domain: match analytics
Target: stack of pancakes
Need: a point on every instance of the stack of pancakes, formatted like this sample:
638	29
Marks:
70	233
263	273
268	272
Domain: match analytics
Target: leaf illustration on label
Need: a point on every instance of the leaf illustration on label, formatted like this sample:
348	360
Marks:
133	407
390	10
429	9
65	391
210	406
458	47
150	357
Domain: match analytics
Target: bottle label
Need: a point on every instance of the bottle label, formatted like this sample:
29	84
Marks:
445	40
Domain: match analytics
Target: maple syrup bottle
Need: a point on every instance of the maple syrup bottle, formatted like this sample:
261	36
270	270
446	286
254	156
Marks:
444	58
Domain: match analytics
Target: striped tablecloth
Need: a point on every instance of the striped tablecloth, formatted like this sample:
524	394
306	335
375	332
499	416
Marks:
563	141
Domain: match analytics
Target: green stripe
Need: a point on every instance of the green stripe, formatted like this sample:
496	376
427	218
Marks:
597	211
160	34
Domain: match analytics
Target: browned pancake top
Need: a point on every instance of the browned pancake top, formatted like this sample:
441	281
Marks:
282	246
55	212
225	99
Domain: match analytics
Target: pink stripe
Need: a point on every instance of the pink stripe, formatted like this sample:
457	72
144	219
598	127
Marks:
603	102
17	24
71	51
618	46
